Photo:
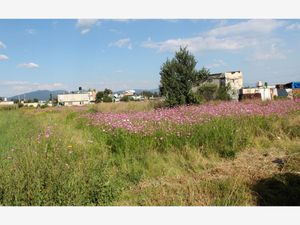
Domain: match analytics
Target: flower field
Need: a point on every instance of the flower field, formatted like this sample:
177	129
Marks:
219	153
169	119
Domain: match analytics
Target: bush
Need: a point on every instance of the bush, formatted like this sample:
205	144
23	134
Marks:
177	77
107	98
44	106
223	93
125	99
208	91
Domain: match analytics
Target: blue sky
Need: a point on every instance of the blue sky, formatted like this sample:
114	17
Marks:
127	54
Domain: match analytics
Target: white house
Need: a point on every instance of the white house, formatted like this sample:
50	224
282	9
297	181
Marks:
233	78
129	93
77	98
5	102
261	91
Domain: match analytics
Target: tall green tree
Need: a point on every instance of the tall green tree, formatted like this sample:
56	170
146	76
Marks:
177	77
107	91
99	96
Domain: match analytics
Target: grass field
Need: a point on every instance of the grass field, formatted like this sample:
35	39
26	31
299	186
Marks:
73	156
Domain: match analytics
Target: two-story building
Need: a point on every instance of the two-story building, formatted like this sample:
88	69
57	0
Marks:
80	98
232	78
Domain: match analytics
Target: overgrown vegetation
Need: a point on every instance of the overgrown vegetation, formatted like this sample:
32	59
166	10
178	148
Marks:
55	157
178	76
104	96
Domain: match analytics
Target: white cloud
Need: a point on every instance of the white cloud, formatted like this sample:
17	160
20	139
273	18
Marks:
30	31
85	25
3	57
272	52
254	35
30	65
230	37
250	27
216	64
197	44
84	31
293	26
2	45
122	43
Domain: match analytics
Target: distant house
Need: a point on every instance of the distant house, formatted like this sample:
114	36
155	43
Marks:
30	104
261	91
5	102
291	85
129	93
233	78
290	90
80	98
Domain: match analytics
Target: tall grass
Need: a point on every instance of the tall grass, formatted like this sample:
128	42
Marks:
52	157
8	107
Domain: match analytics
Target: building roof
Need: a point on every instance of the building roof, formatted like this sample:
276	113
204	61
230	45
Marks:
292	84
219	74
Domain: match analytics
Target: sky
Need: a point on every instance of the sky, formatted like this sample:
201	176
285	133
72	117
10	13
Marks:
64	54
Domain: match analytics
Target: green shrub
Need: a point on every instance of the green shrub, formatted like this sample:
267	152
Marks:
107	98
208	91
223	93
125	98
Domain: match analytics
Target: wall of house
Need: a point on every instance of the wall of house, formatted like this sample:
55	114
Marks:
235	79
265	93
76	103
73	97
7	103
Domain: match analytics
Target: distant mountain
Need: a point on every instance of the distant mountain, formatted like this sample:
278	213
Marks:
40	95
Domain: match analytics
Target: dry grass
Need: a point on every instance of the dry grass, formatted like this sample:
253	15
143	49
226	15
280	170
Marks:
8	107
226	183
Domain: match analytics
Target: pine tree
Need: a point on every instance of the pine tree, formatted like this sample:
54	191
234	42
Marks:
178	76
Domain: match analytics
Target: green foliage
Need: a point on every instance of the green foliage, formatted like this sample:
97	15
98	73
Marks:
107	91
99	96
16	101
223	93
107	98
208	91
104	96
44	106
202	75
89	165
178	75
125	98
147	94
55	101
